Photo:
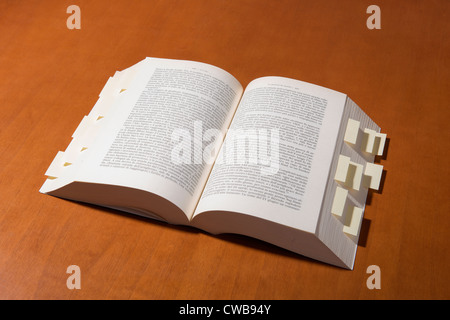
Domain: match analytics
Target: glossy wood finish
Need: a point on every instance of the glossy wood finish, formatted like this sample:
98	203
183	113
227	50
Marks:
50	78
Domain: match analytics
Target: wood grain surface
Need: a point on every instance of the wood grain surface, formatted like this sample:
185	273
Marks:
50	77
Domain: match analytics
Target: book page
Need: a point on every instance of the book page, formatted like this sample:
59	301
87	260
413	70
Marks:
276	157
152	139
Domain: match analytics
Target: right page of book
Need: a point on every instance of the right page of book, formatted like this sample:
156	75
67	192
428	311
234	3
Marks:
276	157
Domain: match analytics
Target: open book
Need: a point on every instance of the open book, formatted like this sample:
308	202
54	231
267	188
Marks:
283	161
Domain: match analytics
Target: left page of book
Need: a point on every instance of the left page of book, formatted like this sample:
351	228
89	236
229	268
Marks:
146	133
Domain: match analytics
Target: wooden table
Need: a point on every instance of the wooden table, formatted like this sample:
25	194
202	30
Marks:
50	77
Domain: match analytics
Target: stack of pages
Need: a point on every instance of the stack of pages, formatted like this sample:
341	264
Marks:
183	142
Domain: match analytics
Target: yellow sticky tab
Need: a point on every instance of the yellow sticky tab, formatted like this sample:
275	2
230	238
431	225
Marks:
339	202
373	142
349	173
353	223
352	131
372	175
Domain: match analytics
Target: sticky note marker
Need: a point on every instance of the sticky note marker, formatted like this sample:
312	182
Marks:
342	169
353	223
82	127
372	175
339	202
373	142
56	168
349	173
352	131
